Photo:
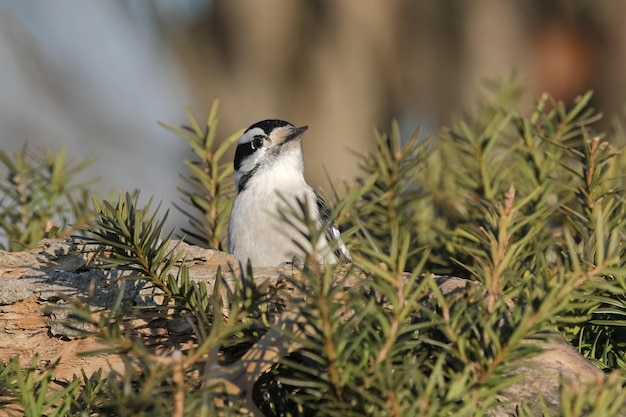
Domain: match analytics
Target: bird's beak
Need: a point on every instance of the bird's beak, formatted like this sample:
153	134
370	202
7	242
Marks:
295	133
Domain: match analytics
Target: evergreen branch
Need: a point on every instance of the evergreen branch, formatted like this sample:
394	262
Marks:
210	190
39	197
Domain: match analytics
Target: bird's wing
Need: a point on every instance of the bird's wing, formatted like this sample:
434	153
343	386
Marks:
333	236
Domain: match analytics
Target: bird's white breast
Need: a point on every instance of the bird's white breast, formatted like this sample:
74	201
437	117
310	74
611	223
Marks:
257	230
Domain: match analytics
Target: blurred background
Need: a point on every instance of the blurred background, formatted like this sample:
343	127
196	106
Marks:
99	75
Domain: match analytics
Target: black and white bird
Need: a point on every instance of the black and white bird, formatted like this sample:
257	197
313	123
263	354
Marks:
269	174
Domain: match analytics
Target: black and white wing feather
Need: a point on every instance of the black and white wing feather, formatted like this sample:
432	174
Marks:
333	236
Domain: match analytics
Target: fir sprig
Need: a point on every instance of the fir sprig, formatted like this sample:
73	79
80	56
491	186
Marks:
209	190
39	197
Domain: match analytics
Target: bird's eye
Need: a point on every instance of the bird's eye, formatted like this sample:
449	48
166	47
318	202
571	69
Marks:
257	142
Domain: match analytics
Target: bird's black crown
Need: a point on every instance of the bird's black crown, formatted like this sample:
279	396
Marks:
268	125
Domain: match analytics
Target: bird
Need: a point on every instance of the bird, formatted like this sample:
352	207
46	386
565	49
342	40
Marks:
269	177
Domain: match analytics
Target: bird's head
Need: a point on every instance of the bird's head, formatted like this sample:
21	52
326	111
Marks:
267	145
